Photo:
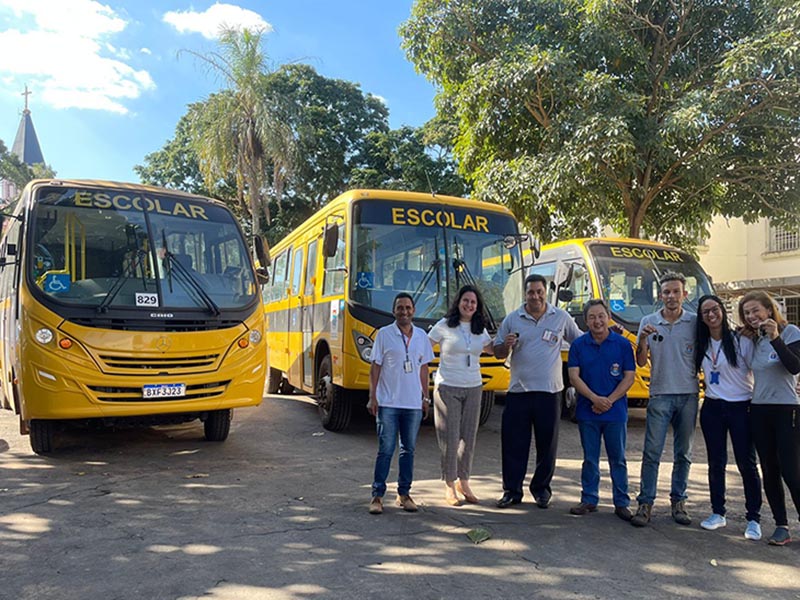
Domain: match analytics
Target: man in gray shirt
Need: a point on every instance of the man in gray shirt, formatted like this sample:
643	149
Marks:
667	336
535	332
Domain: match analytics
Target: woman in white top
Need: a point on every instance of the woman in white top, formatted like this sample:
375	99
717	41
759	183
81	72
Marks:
725	357
458	385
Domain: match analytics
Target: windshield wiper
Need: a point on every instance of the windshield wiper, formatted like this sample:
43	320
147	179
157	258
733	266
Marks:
185	276
127	273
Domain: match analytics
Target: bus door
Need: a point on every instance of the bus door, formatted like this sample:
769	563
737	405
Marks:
278	316
307	314
294	310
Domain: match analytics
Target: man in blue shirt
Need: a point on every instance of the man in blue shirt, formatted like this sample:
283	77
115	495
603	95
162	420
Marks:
602	368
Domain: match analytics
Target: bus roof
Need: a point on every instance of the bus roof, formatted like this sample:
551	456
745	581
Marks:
610	240
345	199
120	185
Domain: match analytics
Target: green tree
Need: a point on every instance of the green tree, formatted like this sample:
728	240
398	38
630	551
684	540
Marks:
14	170
242	130
651	117
401	160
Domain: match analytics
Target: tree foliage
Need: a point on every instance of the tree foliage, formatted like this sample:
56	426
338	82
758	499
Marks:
14	170
651	117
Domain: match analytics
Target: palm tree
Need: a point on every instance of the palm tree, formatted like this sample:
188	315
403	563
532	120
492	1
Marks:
241	130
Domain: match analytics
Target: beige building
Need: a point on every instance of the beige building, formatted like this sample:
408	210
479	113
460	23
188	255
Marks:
741	257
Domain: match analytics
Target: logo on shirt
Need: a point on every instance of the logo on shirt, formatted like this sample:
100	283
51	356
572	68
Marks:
689	349
773	356
615	370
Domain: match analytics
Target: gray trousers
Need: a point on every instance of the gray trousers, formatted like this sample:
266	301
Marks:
456	411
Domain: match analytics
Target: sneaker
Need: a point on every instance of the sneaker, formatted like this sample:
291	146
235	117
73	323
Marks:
753	531
583	509
679	514
406	503
781	537
376	506
623	512
715	521
642	516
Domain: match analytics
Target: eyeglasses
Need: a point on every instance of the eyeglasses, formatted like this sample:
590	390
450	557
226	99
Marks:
716	310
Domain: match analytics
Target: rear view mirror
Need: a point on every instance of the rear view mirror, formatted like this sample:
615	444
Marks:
262	254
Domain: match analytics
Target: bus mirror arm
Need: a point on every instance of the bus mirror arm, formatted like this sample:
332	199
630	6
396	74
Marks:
263	276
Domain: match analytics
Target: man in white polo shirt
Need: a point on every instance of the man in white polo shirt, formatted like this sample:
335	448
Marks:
398	398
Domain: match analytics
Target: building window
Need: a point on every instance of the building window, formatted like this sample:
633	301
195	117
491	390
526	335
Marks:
783	239
793	310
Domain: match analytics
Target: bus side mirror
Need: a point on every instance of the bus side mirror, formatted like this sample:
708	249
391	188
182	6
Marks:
330	240
262	254
529	247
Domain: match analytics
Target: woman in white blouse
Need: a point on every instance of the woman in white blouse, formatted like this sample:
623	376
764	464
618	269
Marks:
458	386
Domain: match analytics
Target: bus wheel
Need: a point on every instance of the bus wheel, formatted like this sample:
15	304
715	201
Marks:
274	380
41	433
334	408
217	425
487	402
569	403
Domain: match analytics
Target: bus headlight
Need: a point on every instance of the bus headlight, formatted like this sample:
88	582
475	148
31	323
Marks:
255	336
363	345
44	335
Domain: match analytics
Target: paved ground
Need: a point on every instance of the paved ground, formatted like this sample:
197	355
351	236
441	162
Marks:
279	511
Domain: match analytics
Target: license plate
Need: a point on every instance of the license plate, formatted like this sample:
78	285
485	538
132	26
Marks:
164	390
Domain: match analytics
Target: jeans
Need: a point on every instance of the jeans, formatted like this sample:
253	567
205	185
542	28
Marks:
776	433
614	435
543	410
390	422
718	418
680	411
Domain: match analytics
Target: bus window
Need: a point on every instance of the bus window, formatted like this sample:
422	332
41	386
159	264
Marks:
335	268
297	271
311	268
278	289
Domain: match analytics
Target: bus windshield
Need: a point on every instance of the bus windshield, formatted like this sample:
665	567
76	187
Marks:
123	249
430	251
628	277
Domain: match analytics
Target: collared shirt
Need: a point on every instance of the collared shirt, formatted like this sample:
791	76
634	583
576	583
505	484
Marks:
672	368
773	383
726	382
602	366
536	357
396	387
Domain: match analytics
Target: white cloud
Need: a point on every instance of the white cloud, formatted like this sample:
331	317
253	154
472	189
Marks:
210	22
62	49
145	51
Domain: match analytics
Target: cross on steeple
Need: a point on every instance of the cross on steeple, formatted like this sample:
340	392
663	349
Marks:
26	93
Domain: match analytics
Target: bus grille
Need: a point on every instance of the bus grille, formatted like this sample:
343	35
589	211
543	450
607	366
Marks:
200	391
161	363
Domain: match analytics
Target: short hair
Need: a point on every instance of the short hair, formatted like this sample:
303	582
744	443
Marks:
402	295
535	278
671	276
594	302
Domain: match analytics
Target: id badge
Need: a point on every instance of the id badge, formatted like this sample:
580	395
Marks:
407	366
547	335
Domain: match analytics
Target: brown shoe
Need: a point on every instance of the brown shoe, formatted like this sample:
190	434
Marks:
406	503
376	506
642	516
583	509
679	513
624	513
471	498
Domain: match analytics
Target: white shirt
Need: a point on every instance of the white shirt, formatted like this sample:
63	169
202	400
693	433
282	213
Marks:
398	388
459	354
734	384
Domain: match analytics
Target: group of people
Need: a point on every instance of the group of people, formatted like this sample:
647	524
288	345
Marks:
749	374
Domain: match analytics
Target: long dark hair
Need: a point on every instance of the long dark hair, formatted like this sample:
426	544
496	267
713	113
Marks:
453	316
703	334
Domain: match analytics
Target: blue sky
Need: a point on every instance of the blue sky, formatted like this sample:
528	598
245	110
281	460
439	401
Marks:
108	84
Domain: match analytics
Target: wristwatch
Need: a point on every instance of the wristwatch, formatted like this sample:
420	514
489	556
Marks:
427	401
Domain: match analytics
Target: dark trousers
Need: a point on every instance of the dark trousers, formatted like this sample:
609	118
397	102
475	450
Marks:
543	410
776	433
718	418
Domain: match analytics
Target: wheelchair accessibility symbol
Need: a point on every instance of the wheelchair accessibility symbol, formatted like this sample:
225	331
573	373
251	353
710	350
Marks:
366	280
617	305
57	282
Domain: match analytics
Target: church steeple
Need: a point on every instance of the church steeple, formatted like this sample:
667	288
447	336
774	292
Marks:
26	144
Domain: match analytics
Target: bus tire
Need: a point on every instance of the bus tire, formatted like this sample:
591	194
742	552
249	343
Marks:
217	425
42	433
334	409
569	404
274	378
487	402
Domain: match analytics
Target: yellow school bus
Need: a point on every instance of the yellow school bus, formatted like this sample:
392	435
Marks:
126	304
335	278
624	272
